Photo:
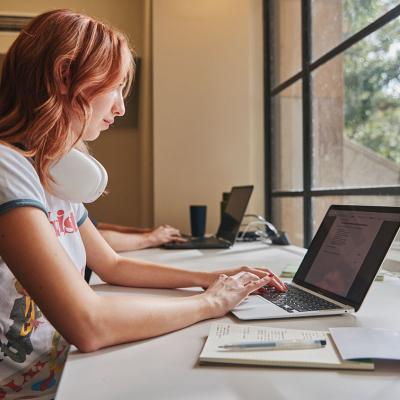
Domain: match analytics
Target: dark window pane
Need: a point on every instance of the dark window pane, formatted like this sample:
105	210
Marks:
286	39
287	142
288	217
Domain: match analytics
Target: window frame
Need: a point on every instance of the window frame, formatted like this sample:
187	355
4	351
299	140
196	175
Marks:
307	67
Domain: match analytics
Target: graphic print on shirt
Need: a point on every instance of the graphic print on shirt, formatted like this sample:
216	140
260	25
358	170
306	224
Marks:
56	363
46	370
24	315
62	224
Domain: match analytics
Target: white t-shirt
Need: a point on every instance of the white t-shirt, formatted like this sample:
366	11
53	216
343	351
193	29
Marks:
32	353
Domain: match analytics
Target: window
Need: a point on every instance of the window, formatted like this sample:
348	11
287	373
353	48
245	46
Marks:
332	108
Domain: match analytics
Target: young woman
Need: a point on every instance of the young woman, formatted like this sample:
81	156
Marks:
63	81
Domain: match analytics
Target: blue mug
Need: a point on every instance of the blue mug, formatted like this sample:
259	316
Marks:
198	216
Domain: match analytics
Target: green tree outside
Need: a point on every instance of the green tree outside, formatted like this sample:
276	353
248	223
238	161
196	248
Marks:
372	79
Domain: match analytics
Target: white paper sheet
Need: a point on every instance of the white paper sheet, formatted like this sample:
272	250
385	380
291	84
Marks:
359	343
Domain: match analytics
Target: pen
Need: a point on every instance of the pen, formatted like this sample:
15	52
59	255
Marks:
294	344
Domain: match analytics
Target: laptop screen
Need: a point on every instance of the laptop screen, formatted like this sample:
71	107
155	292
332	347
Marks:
234	212
347	251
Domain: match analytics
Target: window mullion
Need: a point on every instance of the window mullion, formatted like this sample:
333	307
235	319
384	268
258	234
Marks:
307	119
267	14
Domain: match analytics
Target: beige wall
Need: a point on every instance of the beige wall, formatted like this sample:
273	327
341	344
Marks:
125	151
208	110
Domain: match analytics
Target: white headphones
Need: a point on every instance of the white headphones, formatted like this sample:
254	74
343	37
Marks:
79	177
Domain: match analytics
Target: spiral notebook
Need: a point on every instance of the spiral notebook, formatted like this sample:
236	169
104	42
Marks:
325	357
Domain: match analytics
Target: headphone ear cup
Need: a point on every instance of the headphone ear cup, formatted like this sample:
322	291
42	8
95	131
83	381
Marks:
78	177
101	183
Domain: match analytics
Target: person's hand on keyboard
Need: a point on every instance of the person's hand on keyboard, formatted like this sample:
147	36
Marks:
273	280
164	234
229	291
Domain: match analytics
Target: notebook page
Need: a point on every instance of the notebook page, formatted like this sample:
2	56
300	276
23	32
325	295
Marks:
222	334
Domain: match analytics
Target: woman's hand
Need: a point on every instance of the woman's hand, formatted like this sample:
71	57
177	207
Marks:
272	279
229	291
164	234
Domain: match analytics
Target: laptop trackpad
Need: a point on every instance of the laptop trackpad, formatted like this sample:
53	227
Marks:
257	307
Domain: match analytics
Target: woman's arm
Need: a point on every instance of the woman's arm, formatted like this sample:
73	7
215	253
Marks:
33	253
121	228
121	239
119	270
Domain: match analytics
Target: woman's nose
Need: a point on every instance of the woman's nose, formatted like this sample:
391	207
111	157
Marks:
119	106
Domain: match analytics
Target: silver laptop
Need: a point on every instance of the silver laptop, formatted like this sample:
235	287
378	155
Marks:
338	268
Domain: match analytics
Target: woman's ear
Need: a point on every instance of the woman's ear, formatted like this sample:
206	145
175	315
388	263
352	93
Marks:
64	88
64	77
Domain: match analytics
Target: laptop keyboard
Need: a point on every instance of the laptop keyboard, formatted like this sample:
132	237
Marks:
211	239
296	300
199	243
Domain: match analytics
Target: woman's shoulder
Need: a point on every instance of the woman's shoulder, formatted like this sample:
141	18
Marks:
11	158
12	153
18	177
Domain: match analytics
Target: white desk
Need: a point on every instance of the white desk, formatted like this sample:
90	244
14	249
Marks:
167	368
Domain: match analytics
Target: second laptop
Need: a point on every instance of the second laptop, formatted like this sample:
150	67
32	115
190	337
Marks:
229	226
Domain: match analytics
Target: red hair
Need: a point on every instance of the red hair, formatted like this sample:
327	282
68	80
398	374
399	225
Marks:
58	49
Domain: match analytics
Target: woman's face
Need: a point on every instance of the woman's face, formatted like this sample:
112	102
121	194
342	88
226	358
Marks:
105	108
